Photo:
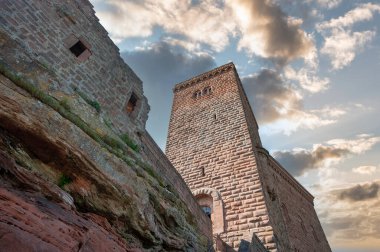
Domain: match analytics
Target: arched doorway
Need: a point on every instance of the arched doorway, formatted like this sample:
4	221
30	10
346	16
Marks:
211	203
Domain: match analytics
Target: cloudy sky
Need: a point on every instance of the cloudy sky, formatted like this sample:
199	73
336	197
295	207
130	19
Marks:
311	69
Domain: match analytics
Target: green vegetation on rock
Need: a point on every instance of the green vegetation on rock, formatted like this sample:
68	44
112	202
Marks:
126	139
113	145
65	103
93	103
64	180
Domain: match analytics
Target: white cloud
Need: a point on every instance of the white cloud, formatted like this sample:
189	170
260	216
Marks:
190	47
329	112
356	146
363	12
341	42
307	79
342	46
295	120
365	169
207	22
329	3
278	104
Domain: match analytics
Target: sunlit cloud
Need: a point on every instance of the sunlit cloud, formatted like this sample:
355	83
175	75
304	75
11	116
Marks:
268	32
207	22
307	79
278	105
299	161
365	169
341	42
350	214
262	27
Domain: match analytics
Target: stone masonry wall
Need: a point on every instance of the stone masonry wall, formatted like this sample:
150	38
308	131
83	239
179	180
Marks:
214	143
46	29
163	167
295	209
210	134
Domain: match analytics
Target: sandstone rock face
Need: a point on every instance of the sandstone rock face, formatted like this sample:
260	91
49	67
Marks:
60	190
78	171
30	222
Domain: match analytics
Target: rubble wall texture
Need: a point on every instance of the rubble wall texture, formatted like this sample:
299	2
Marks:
46	29
214	143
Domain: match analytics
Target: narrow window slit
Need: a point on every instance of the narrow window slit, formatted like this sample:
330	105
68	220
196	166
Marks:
202	171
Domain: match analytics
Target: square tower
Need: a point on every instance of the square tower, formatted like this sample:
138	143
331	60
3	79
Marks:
214	143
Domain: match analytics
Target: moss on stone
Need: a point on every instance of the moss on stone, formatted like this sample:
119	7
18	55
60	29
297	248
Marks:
128	141
65	103
61	109
93	103
64	180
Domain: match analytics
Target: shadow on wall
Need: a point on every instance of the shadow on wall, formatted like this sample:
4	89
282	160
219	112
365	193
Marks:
254	246
221	246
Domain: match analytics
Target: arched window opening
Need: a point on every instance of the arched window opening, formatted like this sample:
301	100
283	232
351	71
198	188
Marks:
131	105
212	205
271	193
206	203
207	210
207	91
197	94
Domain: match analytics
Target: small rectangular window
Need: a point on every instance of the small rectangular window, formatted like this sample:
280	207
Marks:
78	48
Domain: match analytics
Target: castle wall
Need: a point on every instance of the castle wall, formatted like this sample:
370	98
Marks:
171	176
214	143
294	208
47	29
210	134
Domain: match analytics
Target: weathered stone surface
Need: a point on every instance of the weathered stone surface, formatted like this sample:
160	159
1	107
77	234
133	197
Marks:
31	222
104	200
131	185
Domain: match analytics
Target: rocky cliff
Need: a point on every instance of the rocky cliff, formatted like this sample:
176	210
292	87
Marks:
65	186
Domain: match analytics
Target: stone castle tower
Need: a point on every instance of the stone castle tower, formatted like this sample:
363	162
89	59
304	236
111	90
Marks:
214	143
